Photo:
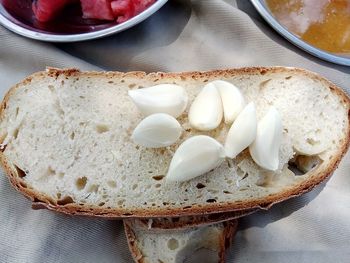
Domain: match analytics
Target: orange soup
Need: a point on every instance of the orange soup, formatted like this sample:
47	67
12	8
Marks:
322	23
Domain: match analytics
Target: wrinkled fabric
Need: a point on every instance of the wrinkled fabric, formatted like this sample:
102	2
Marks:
183	35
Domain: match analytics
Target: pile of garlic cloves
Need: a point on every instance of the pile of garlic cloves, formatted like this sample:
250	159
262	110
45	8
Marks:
218	100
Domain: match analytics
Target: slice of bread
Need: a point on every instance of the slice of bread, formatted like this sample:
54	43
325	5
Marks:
197	244
66	143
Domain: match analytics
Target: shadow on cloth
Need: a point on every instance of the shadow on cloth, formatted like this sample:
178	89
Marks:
263	218
170	21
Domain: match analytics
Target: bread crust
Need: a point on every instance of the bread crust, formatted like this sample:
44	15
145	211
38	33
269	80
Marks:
230	229
188	221
131	239
41	200
228	235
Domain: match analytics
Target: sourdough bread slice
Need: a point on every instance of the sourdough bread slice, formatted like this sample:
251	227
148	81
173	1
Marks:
66	143
196	244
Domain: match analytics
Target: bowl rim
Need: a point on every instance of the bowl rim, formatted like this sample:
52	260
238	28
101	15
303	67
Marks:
261	7
15	26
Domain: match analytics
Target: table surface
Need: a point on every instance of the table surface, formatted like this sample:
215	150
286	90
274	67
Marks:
183	35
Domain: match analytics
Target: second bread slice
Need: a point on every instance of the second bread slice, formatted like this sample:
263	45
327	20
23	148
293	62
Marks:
196	244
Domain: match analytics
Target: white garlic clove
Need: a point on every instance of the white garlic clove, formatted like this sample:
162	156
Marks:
265	149
194	157
163	98
206	112
232	99
242	132
157	130
311	145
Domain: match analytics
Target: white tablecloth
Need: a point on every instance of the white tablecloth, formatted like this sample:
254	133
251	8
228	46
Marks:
183	35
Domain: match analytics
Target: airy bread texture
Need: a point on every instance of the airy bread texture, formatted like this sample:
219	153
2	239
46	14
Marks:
197	244
66	143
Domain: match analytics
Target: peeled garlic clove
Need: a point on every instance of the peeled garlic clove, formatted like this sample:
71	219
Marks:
264	150
310	144
195	156
232	99
164	98
242	132
157	130
206	110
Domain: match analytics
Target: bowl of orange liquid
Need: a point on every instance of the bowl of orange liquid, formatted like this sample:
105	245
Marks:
320	27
